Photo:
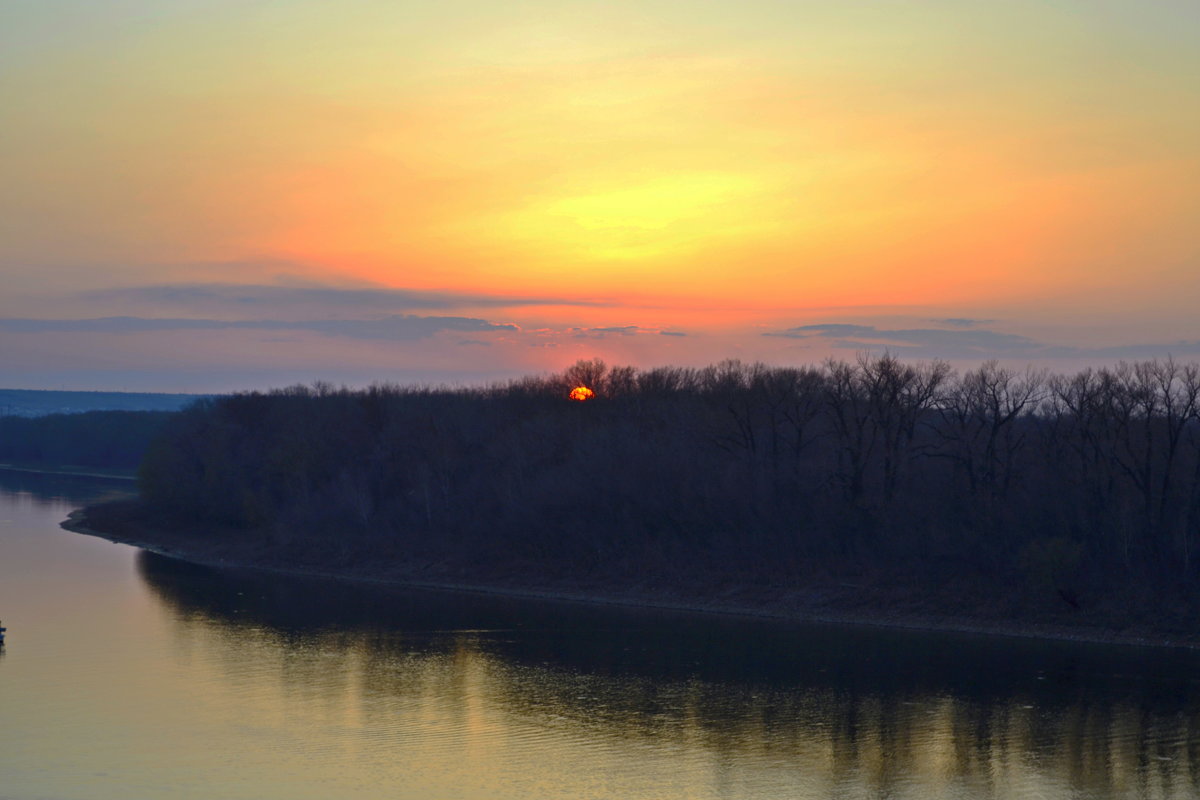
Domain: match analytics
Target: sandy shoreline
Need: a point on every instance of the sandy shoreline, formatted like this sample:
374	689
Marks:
753	603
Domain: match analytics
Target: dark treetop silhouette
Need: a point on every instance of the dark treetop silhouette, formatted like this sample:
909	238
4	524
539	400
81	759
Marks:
873	486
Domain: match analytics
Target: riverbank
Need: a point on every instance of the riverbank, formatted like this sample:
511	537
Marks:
874	600
74	472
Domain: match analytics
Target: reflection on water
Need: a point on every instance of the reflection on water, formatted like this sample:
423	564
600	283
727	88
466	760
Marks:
831	712
128	674
47	490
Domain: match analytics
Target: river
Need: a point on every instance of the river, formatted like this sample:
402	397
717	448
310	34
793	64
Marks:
129	675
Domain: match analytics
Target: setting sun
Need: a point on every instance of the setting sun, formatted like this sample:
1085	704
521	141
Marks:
581	393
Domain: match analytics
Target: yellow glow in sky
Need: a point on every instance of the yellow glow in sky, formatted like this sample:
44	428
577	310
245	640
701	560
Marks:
739	161
661	215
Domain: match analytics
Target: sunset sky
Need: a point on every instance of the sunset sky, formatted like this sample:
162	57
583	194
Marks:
204	195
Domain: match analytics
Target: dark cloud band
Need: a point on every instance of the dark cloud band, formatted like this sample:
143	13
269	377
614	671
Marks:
269	298
398	327
968	342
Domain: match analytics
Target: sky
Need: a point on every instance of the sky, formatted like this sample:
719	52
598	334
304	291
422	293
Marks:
209	195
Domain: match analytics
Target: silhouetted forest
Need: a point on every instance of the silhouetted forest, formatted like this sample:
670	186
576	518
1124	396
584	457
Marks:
113	440
1069	485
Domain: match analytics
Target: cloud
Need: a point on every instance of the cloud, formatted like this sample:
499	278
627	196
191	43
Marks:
969	342
267	298
618	330
961	322
621	330
919	342
1183	347
396	328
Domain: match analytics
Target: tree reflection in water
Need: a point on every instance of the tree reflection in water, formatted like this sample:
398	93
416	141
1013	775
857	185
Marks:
840	711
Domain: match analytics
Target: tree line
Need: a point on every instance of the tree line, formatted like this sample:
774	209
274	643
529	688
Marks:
114	440
1060	481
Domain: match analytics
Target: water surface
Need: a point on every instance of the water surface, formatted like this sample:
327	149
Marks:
131	675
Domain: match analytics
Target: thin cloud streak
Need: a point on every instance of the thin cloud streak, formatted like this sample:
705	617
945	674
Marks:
860	336
961	322
241	297
968	342
603	332
399	327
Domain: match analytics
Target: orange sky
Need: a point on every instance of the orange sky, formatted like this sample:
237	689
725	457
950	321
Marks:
701	168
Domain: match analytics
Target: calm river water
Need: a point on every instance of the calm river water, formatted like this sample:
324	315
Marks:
127	675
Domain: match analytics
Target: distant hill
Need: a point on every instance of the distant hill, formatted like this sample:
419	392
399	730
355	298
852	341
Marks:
38	403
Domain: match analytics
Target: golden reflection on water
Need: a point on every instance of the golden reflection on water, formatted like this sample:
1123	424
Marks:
500	713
